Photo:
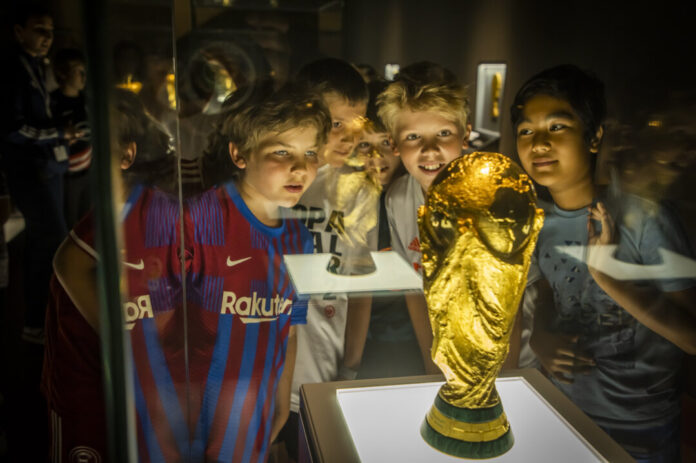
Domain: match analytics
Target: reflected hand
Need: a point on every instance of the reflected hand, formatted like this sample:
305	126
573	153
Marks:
559	355
606	236
69	133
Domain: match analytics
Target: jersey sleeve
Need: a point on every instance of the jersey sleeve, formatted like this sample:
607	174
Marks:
83	235
299	304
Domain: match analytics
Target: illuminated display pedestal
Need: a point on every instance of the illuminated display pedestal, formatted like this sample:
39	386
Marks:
379	420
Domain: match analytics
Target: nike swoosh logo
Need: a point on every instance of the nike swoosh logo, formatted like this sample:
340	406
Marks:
232	263
139	266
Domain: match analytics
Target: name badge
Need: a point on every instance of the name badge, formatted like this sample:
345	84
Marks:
60	153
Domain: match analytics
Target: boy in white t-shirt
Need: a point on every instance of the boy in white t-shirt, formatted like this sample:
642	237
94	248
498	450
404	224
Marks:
426	113
320	343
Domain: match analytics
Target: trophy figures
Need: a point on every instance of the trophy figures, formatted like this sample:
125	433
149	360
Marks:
478	229
354	189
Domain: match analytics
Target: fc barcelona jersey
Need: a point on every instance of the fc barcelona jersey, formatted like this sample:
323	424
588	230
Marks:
205	372
238	284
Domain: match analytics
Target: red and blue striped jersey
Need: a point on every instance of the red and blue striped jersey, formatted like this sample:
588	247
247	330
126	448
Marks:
72	370
238	283
205	372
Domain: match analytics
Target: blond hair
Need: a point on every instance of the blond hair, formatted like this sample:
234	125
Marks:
446	98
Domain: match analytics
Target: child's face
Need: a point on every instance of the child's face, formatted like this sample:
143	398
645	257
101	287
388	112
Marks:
76	77
426	142
346	123
377	146
282	167
551	145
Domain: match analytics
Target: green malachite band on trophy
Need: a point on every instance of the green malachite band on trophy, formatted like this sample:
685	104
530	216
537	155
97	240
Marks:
470	432
463	449
469	415
467	433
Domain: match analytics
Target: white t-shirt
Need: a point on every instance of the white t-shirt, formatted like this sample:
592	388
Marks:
320	342
404	198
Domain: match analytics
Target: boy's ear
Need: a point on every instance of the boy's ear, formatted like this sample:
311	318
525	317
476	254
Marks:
597	140
237	158
128	156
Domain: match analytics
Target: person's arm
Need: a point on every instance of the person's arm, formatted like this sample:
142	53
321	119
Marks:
357	324
282	408
557	353
672	315
76	271
19	127
418	312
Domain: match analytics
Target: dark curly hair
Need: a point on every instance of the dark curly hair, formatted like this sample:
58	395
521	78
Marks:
155	160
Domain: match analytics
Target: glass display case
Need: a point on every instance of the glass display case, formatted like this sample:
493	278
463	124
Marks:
164	77
379	420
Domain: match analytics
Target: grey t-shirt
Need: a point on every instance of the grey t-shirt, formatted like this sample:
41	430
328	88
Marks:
404	198
635	379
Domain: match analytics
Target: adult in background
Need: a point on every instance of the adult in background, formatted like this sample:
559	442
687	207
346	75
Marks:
35	156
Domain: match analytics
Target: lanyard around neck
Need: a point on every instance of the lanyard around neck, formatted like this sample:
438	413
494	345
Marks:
38	84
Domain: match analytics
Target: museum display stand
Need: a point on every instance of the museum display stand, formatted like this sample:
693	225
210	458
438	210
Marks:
379	420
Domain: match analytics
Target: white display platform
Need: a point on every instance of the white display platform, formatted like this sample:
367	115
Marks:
384	423
309	275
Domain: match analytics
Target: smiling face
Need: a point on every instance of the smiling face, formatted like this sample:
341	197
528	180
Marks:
426	142
36	35
376	146
278	171
551	145
346	123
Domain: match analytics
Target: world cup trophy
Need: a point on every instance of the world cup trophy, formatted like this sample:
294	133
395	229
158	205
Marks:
478	229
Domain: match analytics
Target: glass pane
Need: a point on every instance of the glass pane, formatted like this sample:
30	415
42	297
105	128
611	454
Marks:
258	169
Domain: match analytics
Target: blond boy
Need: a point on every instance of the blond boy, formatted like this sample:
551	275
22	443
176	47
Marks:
427	117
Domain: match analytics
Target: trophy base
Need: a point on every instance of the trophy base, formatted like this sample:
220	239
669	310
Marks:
467	433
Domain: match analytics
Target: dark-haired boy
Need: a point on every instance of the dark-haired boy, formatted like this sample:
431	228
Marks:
613	345
34	153
320	343
69	110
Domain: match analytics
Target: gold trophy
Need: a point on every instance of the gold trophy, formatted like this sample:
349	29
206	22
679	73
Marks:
478	229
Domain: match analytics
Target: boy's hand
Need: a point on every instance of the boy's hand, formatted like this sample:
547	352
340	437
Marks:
558	355
606	236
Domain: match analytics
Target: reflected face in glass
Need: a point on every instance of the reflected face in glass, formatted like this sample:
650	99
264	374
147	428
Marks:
36	36
426	142
551	145
377	147
346	124
76	78
280	169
